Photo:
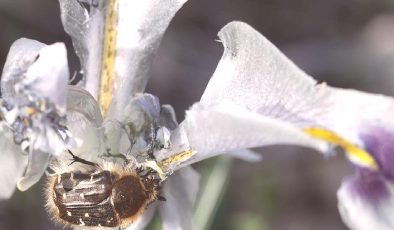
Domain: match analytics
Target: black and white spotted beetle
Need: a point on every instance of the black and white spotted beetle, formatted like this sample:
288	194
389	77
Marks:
101	195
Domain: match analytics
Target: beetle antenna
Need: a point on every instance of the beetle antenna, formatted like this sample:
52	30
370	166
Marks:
80	160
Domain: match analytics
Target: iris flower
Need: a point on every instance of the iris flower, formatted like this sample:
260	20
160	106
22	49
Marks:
256	97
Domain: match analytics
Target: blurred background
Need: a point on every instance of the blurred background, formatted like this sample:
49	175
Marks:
344	43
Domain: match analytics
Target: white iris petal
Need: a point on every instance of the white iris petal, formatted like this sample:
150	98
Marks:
180	190
360	214
139	36
48	76
227	127
13	163
84	122
22	54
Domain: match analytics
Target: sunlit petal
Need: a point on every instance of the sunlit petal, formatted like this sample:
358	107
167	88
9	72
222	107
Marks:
227	127
254	74
141	25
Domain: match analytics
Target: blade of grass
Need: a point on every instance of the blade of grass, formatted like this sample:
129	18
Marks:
212	193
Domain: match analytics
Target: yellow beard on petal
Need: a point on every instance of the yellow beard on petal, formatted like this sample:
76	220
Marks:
108	57
355	154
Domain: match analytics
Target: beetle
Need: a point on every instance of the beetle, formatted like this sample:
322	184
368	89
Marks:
101	195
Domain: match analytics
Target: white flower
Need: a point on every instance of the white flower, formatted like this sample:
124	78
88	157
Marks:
256	97
33	86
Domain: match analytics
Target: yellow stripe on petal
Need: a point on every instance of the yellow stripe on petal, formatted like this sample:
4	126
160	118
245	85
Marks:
354	153
177	158
107	75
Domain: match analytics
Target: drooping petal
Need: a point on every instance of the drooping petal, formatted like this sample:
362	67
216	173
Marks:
226	127
12	161
21	56
180	191
84	121
366	202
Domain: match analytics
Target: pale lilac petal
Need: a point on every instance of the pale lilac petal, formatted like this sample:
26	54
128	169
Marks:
83	122
226	127
48	76
141	25
12	161
21	56
180	190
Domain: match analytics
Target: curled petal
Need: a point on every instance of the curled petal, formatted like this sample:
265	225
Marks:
21	56
13	163
366	202
180	191
226	127
48	76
